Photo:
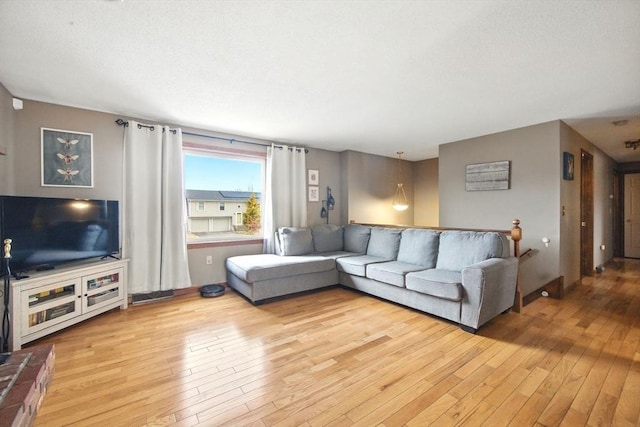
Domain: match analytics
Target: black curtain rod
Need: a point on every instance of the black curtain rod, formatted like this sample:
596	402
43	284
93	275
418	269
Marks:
124	123
121	122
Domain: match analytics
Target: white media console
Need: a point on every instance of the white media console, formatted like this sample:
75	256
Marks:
52	300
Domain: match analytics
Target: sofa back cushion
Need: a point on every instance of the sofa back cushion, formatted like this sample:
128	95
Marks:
327	238
459	249
356	238
419	247
384	242
295	240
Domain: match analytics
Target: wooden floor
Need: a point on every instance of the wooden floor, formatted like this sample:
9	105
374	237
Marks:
340	358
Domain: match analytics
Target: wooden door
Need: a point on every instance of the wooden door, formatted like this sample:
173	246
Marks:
632	215
586	214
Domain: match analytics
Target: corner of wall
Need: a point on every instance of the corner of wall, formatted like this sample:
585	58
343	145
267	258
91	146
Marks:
7	141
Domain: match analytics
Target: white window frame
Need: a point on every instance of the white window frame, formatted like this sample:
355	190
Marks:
189	148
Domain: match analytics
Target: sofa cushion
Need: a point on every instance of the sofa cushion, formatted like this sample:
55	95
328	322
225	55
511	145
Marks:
419	247
327	238
384	242
253	268
357	264
337	254
356	238
391	272
460	249
295	241
438	283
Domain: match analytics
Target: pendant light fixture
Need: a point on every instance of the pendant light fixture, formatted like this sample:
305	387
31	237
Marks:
400	199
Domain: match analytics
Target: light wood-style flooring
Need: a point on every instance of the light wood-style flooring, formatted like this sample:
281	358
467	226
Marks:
340	358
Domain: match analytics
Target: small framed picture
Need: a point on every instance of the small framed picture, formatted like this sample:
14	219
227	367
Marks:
67	158
314	194
314	177
567	166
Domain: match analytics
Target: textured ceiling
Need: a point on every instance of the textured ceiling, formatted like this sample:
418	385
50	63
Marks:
372	76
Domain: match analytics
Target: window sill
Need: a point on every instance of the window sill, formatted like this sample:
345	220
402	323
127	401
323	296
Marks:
222	243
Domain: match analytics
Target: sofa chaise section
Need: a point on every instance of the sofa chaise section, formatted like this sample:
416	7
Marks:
304	260
266	276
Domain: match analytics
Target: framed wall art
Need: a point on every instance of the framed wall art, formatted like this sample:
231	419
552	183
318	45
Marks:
567	166
67	158
314	194
314	177
488	176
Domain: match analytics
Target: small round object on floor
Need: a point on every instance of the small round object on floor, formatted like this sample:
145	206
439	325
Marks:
209	291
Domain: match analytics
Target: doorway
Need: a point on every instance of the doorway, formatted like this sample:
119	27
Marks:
586	214
632	215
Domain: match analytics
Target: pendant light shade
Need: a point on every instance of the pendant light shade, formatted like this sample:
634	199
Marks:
400	199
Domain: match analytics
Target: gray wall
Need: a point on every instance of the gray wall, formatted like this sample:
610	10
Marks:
538	197
327	163
603	178
107	150
23	151
7	125
425	193
371	183
364	185
534	196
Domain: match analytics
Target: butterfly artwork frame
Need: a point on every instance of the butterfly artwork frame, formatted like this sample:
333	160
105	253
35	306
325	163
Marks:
67	158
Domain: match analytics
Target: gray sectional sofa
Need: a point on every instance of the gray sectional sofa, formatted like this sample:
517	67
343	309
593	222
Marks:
467	277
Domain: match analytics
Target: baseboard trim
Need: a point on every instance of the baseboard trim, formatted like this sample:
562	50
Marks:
554	288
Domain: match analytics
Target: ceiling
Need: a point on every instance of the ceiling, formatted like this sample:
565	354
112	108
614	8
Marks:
371	76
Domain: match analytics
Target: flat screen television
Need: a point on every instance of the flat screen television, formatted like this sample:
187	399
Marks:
46	232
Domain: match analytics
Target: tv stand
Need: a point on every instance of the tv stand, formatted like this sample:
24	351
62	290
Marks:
20	275
52	300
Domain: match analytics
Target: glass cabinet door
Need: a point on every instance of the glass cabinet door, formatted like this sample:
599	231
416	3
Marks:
50	305
101	289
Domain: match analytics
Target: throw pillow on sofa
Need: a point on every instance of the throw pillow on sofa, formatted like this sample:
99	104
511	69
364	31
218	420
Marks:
295	241
459	249
356	238
419	247
384	243
327	238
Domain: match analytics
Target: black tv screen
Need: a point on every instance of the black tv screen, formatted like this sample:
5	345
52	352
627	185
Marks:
46	232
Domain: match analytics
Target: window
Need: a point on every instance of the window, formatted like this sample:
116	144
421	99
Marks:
232	182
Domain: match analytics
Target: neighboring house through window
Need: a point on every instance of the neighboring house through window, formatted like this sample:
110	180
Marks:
219	186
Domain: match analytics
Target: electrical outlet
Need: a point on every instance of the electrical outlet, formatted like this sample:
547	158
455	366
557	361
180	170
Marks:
603	247
209	260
